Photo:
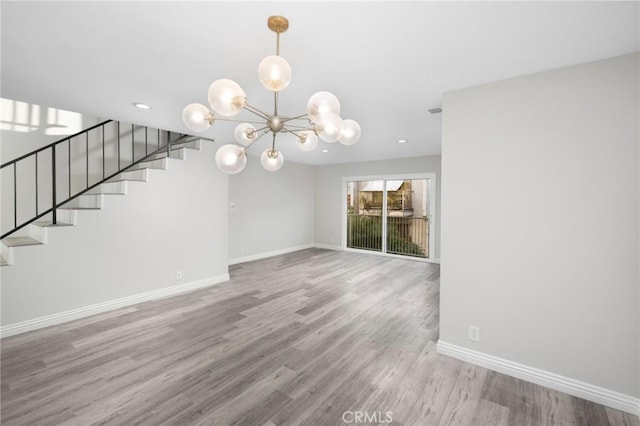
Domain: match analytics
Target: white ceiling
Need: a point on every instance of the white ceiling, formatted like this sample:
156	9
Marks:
386	61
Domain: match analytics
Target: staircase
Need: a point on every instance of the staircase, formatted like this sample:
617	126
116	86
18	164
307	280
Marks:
45	188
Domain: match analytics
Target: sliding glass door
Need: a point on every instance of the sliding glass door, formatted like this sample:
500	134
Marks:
397	208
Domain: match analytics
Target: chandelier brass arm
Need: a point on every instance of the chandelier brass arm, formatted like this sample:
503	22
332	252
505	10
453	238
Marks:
232	120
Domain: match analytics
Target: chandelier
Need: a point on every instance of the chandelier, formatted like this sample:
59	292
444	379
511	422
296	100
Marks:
227	99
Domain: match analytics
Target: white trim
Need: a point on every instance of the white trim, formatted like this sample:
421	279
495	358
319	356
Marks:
269	254
327	246
62	317
564	384
396	256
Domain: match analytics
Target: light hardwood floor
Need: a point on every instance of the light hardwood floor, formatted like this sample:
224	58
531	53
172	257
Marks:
297	339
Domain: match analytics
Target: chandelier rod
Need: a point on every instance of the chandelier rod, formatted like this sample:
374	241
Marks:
299	127
293	132
256	139
299	117
255	111
237	121
275	102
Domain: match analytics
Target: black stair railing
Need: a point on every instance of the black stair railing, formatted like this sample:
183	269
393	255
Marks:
103	145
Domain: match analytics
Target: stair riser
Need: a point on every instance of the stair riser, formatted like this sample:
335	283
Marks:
177	154
135	175
159	164
85	202
32	232
191	145
66	216
36	232
6	253
118	188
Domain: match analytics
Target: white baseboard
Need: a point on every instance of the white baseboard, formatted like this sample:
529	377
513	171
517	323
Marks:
327	246
62	317
564	384
268	254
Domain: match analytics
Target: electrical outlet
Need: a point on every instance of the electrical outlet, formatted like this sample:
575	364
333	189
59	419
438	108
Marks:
178	275
474	333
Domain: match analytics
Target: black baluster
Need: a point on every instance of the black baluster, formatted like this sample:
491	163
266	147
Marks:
86	145
103	153
53	182
15	196
118	130
36	183
69	160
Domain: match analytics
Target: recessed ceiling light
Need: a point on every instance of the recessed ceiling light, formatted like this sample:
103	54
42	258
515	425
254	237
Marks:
140	105
325	150
402	141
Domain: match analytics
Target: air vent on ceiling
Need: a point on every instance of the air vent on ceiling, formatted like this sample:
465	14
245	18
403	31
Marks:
435	109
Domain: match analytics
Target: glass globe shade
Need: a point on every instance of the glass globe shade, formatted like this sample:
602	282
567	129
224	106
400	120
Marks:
196	117
226	97
329	127
322	103
307	141
245	134
274	73
231	159
350	134
271	160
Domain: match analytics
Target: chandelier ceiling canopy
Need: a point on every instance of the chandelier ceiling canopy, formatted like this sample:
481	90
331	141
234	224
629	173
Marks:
226	98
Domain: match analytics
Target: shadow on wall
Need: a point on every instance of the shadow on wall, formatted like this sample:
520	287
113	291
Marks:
22	117
25	127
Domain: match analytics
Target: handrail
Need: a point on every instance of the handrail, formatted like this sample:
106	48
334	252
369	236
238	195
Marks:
164	143
34	152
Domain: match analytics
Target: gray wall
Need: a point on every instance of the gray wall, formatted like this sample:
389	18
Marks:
175	221
540	221
270	211
328	192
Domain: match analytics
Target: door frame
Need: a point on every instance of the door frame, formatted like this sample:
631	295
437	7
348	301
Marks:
431	181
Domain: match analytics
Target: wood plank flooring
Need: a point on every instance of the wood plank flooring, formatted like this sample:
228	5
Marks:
298	339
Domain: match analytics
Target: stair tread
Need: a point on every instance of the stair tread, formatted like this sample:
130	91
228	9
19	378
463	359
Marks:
142	166
50	224
20	241
79	208
3	261
108	193
127	180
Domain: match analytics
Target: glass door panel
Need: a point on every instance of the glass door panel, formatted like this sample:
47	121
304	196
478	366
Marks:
364	214
407	217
